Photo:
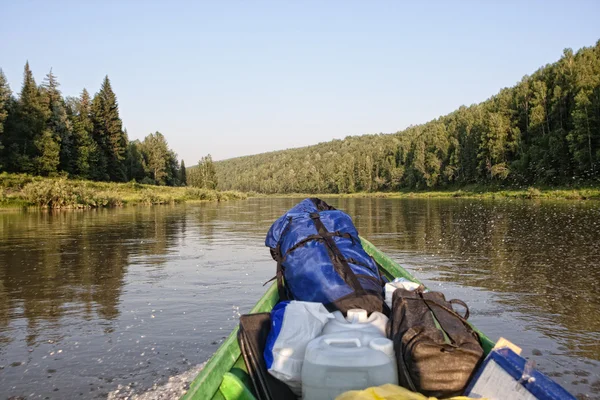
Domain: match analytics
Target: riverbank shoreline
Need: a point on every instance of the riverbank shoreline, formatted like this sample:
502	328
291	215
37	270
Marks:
474	192
19	191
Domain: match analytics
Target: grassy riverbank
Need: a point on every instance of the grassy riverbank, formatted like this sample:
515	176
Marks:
21	190
471	191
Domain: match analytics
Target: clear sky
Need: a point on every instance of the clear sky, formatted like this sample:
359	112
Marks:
232	78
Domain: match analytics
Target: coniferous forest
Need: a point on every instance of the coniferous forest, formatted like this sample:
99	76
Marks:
43	133
544	130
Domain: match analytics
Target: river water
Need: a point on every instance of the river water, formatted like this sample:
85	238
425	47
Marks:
90	300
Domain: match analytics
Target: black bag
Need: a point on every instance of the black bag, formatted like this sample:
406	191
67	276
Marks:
437	351
252	337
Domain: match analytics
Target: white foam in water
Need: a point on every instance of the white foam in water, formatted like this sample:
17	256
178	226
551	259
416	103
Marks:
173	389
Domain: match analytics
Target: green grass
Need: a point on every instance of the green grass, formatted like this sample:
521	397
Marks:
469	191
22	190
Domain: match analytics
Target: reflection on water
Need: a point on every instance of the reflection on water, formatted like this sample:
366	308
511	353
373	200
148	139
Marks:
93	299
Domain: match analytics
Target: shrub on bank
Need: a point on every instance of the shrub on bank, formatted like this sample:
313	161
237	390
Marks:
21	190
154	196
14	182
533	193
60	193
232	195
194	193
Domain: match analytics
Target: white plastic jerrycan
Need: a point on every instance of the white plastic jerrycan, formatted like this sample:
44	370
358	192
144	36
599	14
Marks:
343	361
357	320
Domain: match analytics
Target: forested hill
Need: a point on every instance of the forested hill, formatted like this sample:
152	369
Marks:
545	129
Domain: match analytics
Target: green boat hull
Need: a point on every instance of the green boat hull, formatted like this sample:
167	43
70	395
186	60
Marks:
225	377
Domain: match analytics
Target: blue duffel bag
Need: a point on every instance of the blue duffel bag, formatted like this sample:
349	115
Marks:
320	258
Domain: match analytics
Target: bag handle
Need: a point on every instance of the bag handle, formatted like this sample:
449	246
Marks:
450	310
443	307
461	303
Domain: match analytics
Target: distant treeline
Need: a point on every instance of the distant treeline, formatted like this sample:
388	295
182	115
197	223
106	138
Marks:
42	133
544	130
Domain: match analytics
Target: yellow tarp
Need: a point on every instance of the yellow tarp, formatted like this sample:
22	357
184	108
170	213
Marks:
388	392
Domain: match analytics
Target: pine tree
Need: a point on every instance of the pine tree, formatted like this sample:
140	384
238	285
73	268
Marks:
58	124
24	128
109	134
5	104
85	149
46	163
100	173
172	169
182	174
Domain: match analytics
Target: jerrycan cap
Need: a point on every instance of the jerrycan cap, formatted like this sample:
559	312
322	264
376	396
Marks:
384	345
357	315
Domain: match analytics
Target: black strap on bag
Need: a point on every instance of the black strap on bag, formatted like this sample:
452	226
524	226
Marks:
283	290
340	264
359	298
